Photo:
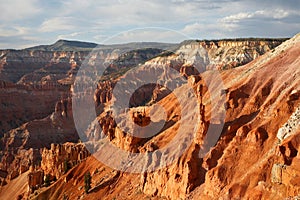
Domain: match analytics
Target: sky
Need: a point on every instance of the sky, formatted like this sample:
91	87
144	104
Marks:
34	22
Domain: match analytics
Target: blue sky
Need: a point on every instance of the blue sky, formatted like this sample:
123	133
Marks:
33	22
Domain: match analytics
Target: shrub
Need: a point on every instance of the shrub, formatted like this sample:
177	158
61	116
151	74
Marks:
47	180
66	166
87	182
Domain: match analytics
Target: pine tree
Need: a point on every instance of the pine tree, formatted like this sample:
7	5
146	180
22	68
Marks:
47	180
87	182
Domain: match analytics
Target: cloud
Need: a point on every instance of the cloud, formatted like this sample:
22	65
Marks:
266	23
58	24
208	31
258	23
150	34
6	31
236	17
13	10
195	27
89	20
137	13
19	42
66	36
266	14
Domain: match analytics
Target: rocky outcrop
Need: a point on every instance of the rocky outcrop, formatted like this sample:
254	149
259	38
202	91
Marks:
115	134
176	180
22	103
141	118
34	65
57	160
147	94
285	173
35	180
221	173
31	66
247	161
56	128
218	54
54	71
103	92
240	165
34	93
291	126
21	146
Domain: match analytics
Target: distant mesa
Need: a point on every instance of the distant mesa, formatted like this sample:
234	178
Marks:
66	45
70	45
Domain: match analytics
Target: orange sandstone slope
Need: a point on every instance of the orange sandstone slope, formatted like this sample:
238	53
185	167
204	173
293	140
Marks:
256	156
251	160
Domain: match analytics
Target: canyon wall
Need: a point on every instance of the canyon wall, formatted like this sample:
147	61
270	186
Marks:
256	107
23	103
57	160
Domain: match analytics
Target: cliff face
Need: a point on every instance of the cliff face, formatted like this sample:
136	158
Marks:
35	96
32	66
247	161
29	83
43	77
32	81
244	162
29	66
222	54
37	66
23	103
57	160
21	147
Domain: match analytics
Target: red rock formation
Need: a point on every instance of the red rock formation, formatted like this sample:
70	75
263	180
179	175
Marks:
62	157
35	180
22	103
141	118
248	161
240	164
219	54
244	162
34	65
20	146
103	92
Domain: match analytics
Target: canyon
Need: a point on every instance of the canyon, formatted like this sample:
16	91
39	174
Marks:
252	114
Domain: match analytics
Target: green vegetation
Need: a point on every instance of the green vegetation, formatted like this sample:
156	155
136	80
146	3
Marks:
66	166
127	61
47	180
115	75
87	182
65	197
165	54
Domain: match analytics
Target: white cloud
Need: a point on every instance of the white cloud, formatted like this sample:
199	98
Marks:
193	28
99	38
137	13
46	21
13	31
259	14
267	20
13	10
58	24
275	14
150	34
237	17
66	36
203	30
